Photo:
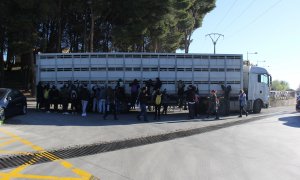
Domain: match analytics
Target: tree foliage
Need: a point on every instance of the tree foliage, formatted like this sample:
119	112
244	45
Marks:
280	85
48	26
119	25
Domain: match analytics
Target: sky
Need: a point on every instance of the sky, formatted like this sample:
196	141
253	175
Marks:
269	27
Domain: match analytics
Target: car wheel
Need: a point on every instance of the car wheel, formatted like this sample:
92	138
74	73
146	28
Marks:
24	109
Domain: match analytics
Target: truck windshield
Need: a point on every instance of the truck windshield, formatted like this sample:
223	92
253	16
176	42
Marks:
263	78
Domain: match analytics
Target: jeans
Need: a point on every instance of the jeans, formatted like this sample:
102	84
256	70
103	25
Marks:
95	104
101	105
242	108
191	106
143	111
157	111
84	105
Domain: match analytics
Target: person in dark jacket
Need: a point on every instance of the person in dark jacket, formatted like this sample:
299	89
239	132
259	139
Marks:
142	99
111	103
190	98
157	84
157	103
54	95
64	93
39	95
165	98
134	92
213	104
74	100
46	96
84	97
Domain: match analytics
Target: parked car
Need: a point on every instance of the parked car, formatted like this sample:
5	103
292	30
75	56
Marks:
12	102
298	105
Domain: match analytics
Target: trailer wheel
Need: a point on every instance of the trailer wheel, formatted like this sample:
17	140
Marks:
257	106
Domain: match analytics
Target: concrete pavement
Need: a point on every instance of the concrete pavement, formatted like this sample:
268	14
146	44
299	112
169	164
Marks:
54	131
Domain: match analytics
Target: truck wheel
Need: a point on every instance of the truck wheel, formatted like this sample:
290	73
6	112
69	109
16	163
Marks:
257	106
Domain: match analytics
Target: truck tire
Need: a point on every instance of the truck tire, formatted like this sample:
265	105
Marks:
257	106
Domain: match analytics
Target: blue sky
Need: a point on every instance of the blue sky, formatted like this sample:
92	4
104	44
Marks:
269	27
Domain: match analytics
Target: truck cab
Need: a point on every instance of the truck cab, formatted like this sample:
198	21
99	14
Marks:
257	83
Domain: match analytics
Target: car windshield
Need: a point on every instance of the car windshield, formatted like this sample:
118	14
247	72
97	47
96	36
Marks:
2	93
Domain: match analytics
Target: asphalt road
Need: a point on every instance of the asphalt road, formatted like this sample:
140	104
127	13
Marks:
268	148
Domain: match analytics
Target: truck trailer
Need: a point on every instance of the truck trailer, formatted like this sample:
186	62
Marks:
205	71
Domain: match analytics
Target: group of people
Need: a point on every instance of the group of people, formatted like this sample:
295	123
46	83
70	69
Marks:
105	100
192	99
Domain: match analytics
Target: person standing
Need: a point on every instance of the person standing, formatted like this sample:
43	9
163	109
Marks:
85	96
65	98
102	97
46	93
157	84
111	103
190	98
74	100
94	94
39	95
142	99
54	94
157	103
213	105
243	103
165	101
134	93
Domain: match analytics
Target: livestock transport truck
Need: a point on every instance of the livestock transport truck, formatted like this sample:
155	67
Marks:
205	71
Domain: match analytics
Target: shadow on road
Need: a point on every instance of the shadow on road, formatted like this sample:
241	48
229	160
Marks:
57	119
292	121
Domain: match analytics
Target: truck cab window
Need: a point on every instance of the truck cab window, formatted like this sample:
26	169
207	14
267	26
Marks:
263	78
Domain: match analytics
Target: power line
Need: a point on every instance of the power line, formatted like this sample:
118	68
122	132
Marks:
257	18
240	15
229	10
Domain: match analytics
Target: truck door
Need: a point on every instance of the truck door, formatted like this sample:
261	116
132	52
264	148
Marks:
263	87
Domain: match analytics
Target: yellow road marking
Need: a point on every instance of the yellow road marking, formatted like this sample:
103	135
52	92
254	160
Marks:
32	176
41	153
8	142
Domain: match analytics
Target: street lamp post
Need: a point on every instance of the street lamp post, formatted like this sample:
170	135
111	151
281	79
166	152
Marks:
250	53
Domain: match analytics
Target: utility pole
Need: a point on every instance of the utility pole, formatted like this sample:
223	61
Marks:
214	38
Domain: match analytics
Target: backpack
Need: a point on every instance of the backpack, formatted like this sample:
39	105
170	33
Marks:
73	95
134	88
158	99
46	93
